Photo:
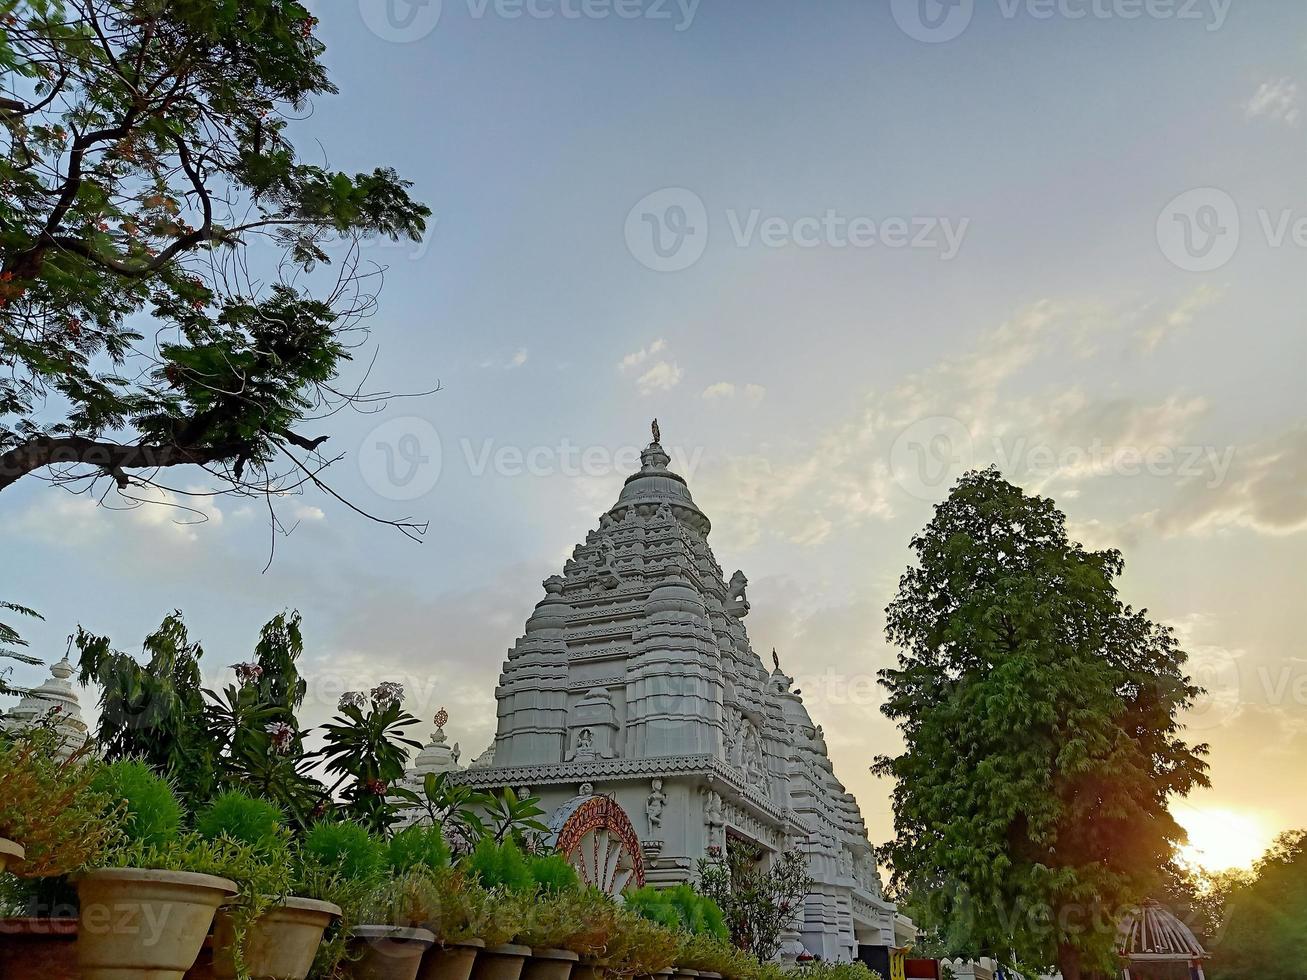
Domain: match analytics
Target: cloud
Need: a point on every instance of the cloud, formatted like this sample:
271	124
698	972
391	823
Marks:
515	360
723	390
663	376
1275	100
1263	491
1181	316
636	358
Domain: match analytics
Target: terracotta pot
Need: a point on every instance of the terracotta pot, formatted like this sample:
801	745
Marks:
280	944
661	974
387	952
145	925
452	962
708	975
38	949
11	852
501	962
685	971
588	970
549	964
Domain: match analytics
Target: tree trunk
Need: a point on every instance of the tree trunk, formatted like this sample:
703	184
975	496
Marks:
1068	962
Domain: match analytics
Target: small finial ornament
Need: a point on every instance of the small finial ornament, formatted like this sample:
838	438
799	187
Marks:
442	718
776	658
657	432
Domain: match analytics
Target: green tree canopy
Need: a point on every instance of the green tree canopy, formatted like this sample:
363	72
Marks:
147	150
1266	917
1041	718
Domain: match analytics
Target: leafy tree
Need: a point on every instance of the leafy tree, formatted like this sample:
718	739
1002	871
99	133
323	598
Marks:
1041	722
759	903
453	807
147	151
10	640
154	712
1266	928
245	737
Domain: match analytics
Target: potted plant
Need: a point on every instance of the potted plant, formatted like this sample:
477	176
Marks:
52	819
267	933
636	947
561	927
149	903
502	867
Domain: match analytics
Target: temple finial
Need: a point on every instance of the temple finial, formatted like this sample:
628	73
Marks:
776	658
657	432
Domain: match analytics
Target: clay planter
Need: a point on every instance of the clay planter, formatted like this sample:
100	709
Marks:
501	962
549	964
452	962
708	975
145	925
11	852
38	949
388	952
685	971
588	970
280	944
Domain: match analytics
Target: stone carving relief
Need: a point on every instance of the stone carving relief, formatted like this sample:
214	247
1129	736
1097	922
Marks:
654	808
737	603
592	727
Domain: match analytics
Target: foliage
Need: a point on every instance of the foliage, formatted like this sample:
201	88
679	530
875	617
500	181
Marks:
509	817
154	712
817	970
576	919
680	908
50	804
10	640
495	865
151	815
418	846
242	818
706	952
368	752
1267	916
553	873
148	149
637	947
347	849
453	807
1041	722
759	903
246	737
453	905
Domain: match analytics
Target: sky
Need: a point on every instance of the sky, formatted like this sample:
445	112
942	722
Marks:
842	251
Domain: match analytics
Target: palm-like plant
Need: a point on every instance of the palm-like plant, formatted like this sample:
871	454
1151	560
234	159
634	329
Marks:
368	753
10	639
454	808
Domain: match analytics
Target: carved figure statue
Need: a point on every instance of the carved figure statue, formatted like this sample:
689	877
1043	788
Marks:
737	602
654	808
657	432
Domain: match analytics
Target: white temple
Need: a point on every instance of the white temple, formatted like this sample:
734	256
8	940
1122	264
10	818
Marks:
54	700
635	680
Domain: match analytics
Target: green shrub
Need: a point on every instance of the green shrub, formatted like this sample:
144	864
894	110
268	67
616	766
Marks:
242	818
553	874
820	970
151	814
345	849
680	908
577	919
500	866
418	847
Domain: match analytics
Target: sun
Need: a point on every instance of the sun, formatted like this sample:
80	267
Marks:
1222	839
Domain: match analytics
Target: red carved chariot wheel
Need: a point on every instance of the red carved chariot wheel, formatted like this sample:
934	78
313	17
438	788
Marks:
597	838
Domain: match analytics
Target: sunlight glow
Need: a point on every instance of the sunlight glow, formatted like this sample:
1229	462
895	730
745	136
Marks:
1222	839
